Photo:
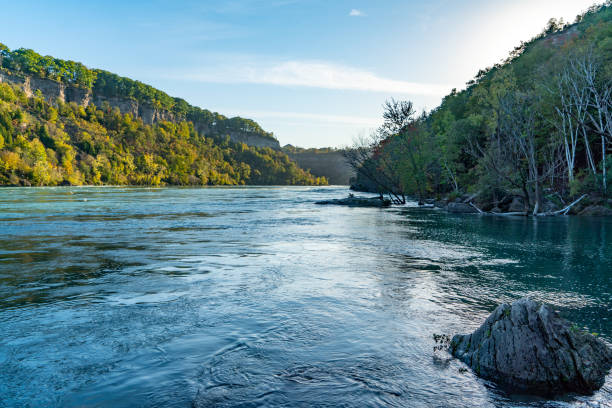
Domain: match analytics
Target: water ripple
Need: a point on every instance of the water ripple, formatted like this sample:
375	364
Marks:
257	297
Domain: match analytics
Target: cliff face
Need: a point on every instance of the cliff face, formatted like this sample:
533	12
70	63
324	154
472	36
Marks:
53	91
331	165
254	140
250	139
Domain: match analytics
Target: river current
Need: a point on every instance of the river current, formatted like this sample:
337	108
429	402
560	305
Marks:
170	297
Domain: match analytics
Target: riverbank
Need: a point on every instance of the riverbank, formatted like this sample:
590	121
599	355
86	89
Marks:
515	205
592	205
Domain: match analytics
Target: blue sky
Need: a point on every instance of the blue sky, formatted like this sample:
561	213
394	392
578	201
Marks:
314	72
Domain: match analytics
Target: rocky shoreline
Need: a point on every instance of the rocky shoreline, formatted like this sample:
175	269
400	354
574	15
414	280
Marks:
515	205
511	205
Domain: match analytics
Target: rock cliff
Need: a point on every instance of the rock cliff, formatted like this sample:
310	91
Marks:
53	91
331	165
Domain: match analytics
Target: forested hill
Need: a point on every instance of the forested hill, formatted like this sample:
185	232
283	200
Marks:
535	128
63	123
71	81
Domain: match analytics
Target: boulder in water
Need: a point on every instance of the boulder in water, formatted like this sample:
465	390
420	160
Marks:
353	201
461	208
526	347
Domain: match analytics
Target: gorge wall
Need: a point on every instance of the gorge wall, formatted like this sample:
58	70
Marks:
53	91
331	165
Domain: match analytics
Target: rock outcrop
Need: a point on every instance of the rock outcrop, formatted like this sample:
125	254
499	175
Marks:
352	201
460	208
526	347
250	139
596	211
53	91
332	164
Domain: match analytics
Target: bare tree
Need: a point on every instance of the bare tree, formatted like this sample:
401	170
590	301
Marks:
501	154
587	77
600	119
571	112
518	123
375	158
365	159
511	151
398	115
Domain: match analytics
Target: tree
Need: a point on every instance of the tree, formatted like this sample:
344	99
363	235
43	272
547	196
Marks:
366	158
519	122
571	113
396	158
592	97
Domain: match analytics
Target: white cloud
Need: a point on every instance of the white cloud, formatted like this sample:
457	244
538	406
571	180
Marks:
356	13
313	74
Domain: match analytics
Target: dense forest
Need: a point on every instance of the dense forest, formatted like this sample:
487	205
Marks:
51	143
537	125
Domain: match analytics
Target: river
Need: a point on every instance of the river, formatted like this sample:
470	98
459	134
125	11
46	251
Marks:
255	296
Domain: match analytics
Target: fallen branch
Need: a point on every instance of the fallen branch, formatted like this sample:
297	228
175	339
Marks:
564	210
477	209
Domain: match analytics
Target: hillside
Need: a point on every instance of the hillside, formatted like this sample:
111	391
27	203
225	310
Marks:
62	123
534	129
70	81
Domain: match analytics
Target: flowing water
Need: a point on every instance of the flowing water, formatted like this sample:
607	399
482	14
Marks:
113	297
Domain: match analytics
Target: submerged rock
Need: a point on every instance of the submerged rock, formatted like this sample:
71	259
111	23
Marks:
527	347
353	201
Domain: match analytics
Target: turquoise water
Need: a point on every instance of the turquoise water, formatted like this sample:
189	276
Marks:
113	297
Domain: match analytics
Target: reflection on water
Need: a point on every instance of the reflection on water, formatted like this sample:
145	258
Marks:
226	296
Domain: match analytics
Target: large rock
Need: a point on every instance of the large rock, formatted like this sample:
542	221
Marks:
353	201
517	204
460	208
440	204
527	347
596	211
